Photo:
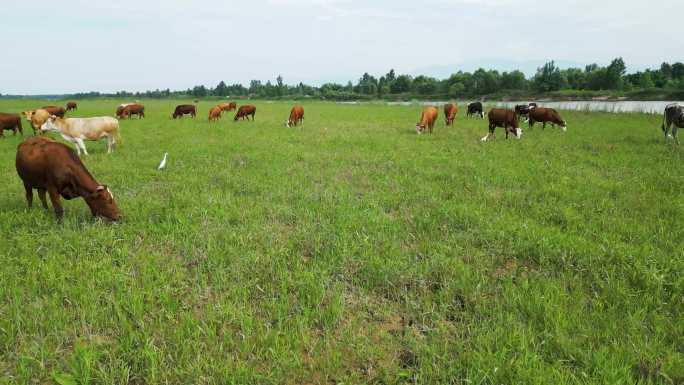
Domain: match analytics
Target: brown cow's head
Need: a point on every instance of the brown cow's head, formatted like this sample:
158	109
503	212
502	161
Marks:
101	203
419	128
517	131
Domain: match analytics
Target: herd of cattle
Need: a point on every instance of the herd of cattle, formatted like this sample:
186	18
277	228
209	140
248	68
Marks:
506	118
55	169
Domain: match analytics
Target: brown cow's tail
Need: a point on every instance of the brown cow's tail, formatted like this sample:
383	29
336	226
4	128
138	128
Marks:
21	129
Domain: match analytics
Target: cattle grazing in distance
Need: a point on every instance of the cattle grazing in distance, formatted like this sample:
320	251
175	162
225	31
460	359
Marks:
133	109
71	106
36	118
10	122
505	118
229	106
475	108
184	109
296	116
76	130
673	116
215	113
245	112
120	108
545	115
522	110
427	120
450	111
55	110
52	167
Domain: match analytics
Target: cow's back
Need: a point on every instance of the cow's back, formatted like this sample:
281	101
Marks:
91	128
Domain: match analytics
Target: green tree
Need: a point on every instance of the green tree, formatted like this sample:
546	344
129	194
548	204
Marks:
678	71
549	78
221	89
615	73
280	87
456	90
401	84
666	70
514	80
645	80
424	85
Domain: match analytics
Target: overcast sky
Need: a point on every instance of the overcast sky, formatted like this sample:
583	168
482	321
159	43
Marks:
82	45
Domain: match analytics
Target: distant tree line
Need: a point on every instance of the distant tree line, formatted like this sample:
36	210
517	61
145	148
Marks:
481	83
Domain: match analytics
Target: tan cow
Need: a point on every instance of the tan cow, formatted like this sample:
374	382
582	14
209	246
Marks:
215	113
76	130
427	120
37	118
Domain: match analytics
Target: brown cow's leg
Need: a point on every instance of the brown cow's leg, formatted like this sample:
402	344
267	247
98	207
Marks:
29	195
54	198
43	200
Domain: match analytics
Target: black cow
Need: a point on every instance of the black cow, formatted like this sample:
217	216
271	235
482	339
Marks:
475	108
673	116
522	110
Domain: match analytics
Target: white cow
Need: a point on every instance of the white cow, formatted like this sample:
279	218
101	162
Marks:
76	130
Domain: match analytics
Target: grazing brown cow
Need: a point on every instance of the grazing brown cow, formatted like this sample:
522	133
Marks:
450	111
228	106
503	117
245	112
52	167
133	109
54	110
71	106
544	115
184	109
427	120
296	116
36	118
215	113
10	122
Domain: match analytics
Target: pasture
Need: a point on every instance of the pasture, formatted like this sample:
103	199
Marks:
351	251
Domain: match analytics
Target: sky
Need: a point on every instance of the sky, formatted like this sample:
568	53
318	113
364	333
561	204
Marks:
92	45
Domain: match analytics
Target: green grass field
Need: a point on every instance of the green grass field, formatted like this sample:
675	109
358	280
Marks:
351	251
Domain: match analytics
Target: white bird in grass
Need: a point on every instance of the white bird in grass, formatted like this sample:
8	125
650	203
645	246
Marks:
163	162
